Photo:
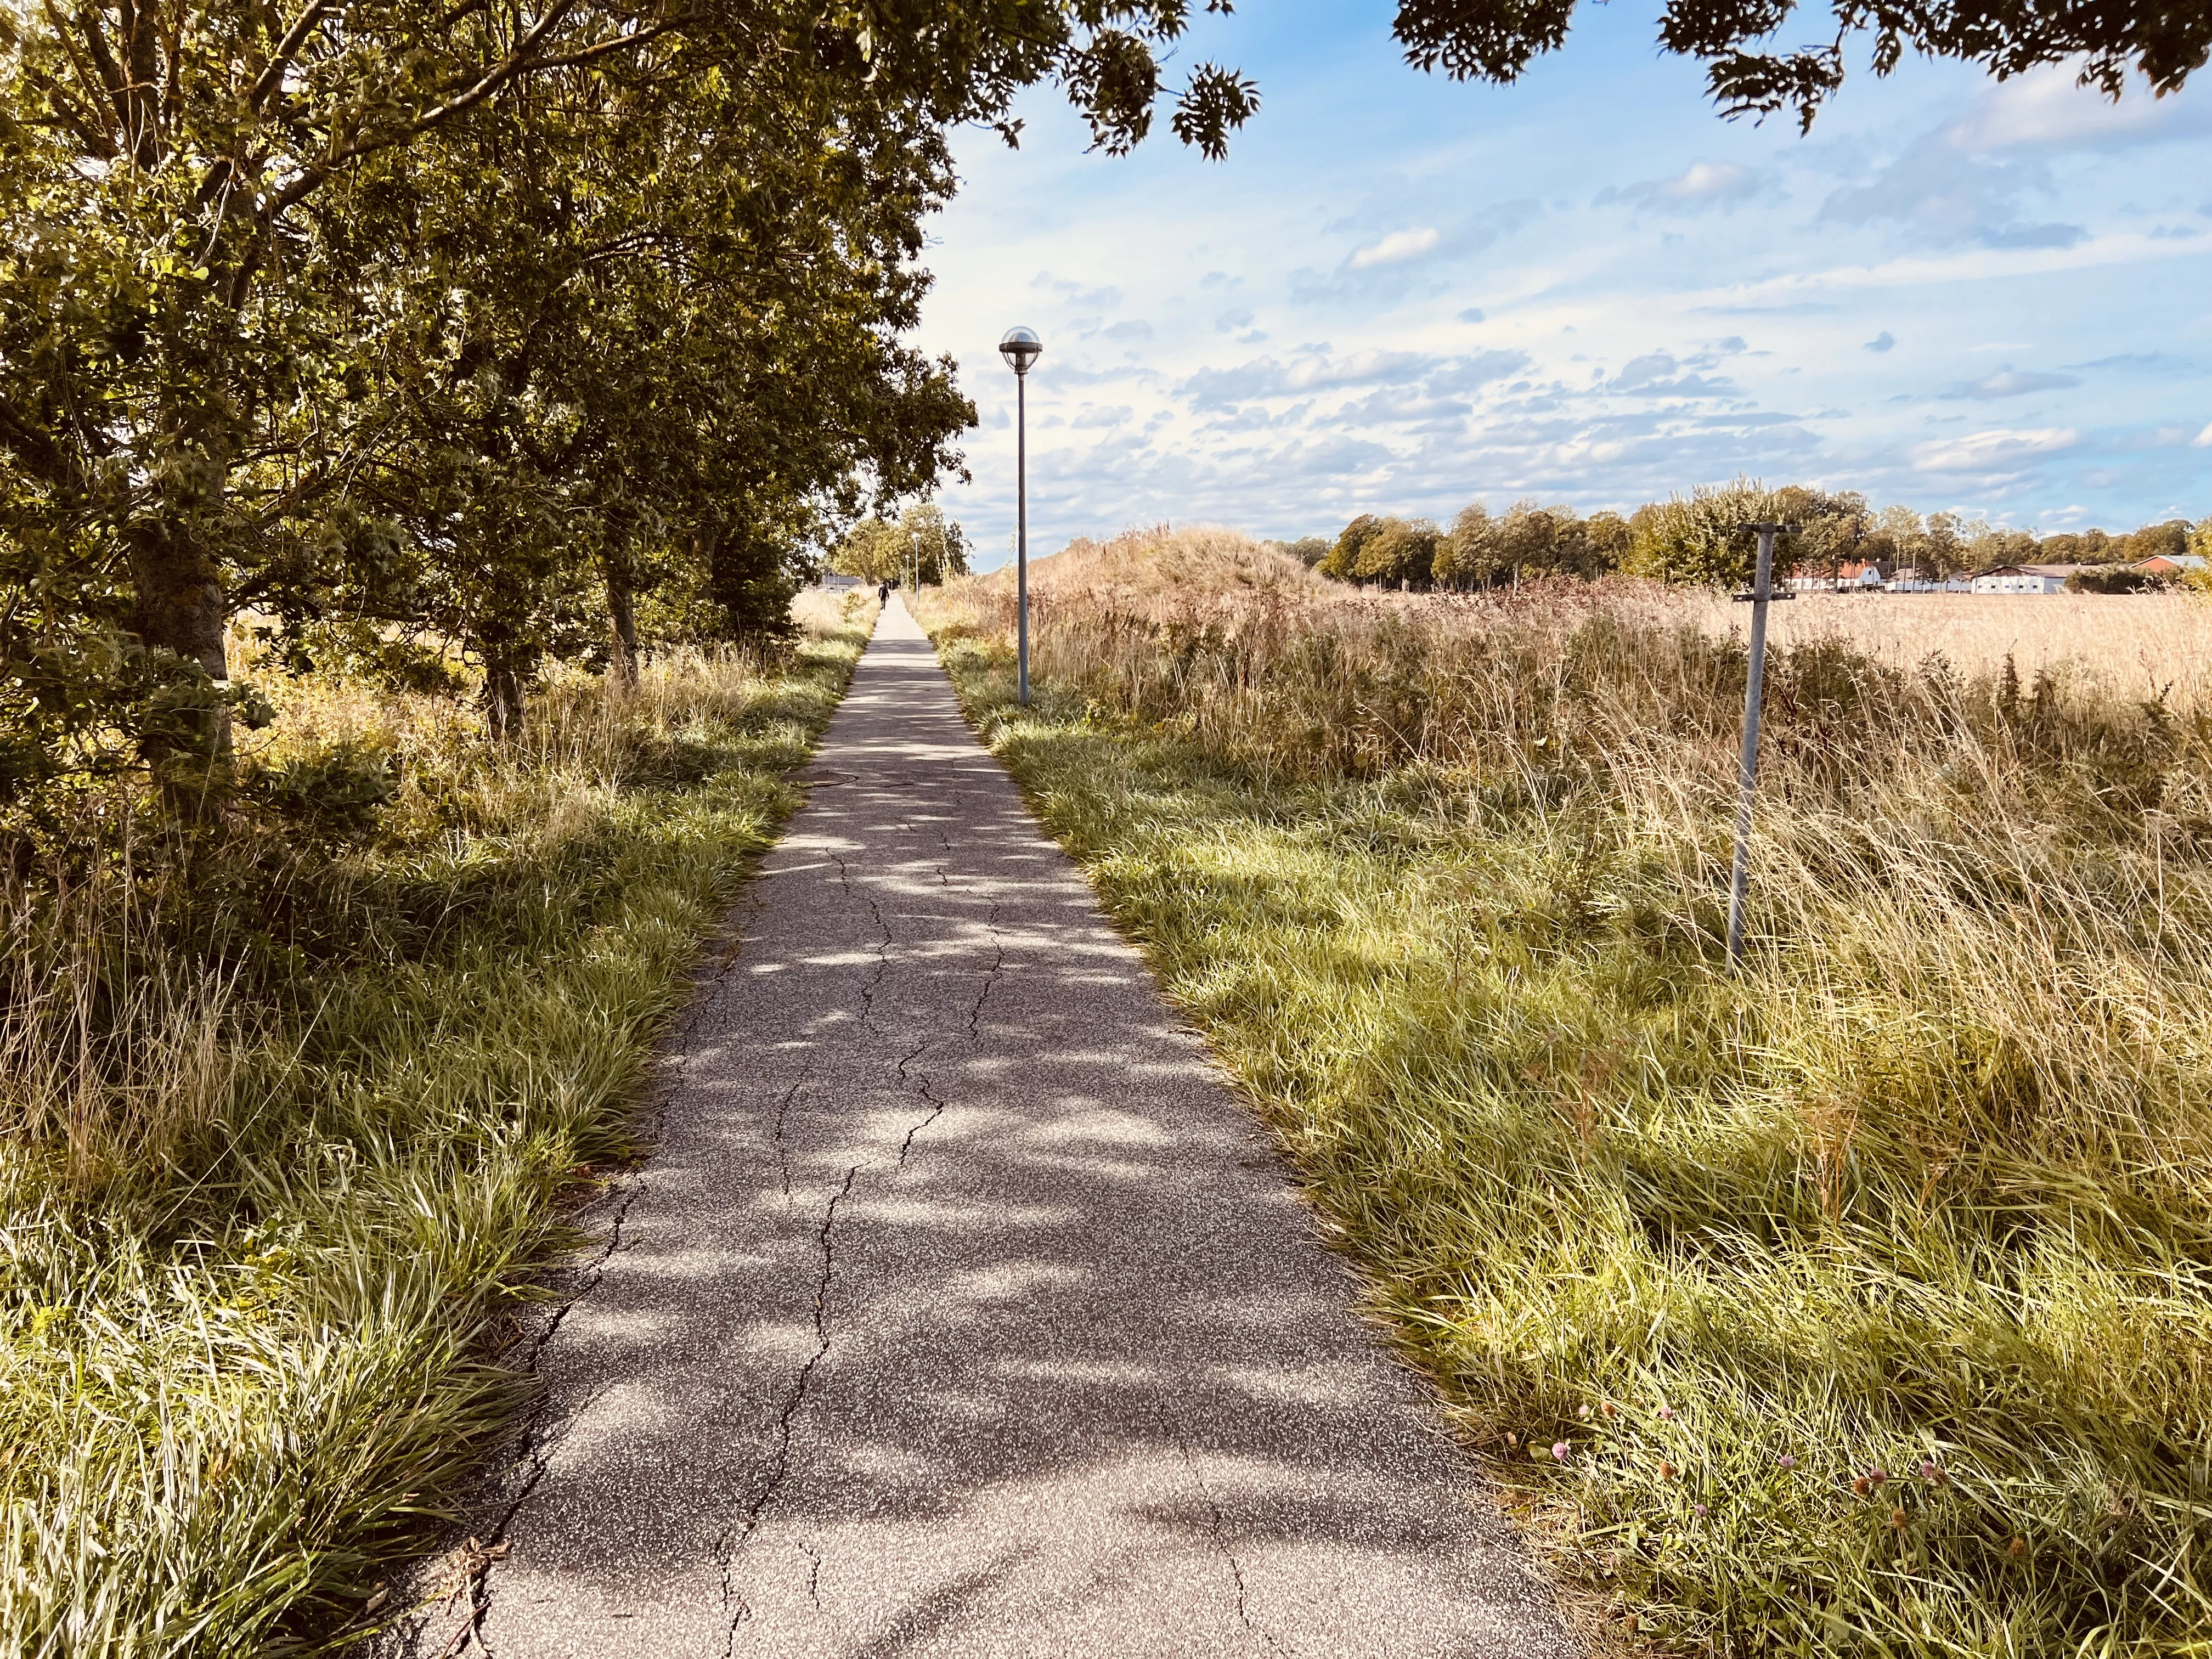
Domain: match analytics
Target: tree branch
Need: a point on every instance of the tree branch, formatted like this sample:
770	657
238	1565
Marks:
37	450
516	63
272	73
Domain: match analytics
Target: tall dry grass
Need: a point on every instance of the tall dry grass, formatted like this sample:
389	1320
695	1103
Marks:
1866	1296
289	1121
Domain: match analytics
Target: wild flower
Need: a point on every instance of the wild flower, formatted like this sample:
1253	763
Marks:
1930	1474
1582	1412
1786	1461
1700	1511
1560	1450
1666	1413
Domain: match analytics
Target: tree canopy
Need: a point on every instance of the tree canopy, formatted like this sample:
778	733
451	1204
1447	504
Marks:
1749	73
469	321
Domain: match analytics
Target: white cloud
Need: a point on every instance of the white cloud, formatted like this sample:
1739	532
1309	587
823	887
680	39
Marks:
2009	382
1947	194
1700	185
2203	439
1267	377
1996	451
1398	245
2048	109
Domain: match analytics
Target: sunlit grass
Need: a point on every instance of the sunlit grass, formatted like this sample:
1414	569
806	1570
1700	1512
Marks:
279	1151
1861	1302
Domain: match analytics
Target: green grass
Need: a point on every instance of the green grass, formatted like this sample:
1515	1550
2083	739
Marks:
1692	1256
276	1183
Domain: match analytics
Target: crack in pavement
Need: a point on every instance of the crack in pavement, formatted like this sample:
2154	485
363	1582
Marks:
990	974
726	1546
1215	1526
936	1109
536	1451
813	1573
882	971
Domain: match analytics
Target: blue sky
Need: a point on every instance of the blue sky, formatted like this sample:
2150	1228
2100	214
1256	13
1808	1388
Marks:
1402	295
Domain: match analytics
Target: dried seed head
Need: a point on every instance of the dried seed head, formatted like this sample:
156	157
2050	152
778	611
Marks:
1666	1471
1607	1408
1629	1623
1897	1518
2018	1548
1862	1485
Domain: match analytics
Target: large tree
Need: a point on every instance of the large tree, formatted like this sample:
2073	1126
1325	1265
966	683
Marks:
178	330
628	334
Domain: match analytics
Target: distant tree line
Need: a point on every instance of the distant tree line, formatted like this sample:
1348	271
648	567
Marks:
1707	538
922	546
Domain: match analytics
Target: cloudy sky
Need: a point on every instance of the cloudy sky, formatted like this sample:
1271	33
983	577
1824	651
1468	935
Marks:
1402	295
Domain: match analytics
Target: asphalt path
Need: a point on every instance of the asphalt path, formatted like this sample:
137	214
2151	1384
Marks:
960	1310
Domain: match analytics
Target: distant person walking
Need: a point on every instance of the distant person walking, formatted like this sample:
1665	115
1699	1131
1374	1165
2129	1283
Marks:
883	593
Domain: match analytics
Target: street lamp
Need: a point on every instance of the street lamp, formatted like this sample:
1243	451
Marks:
1020	348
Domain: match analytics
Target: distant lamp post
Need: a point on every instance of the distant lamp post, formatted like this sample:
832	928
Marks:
1020	348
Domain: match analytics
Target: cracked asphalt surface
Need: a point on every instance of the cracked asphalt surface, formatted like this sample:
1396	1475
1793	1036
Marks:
960	1310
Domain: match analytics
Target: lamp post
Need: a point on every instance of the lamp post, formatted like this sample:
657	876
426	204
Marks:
1020	348
1762	591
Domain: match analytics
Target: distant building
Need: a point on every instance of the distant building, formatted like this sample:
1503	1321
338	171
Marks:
838	583
1852	576
1872	576
2170	564
2023	578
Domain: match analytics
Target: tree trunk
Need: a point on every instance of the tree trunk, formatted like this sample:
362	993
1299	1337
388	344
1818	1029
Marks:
503	695
181	610
622	611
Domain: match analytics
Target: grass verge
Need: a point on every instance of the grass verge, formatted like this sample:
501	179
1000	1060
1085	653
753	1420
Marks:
282	1150
1855	1304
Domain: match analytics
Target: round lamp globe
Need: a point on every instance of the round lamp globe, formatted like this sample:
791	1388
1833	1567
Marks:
1020	348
